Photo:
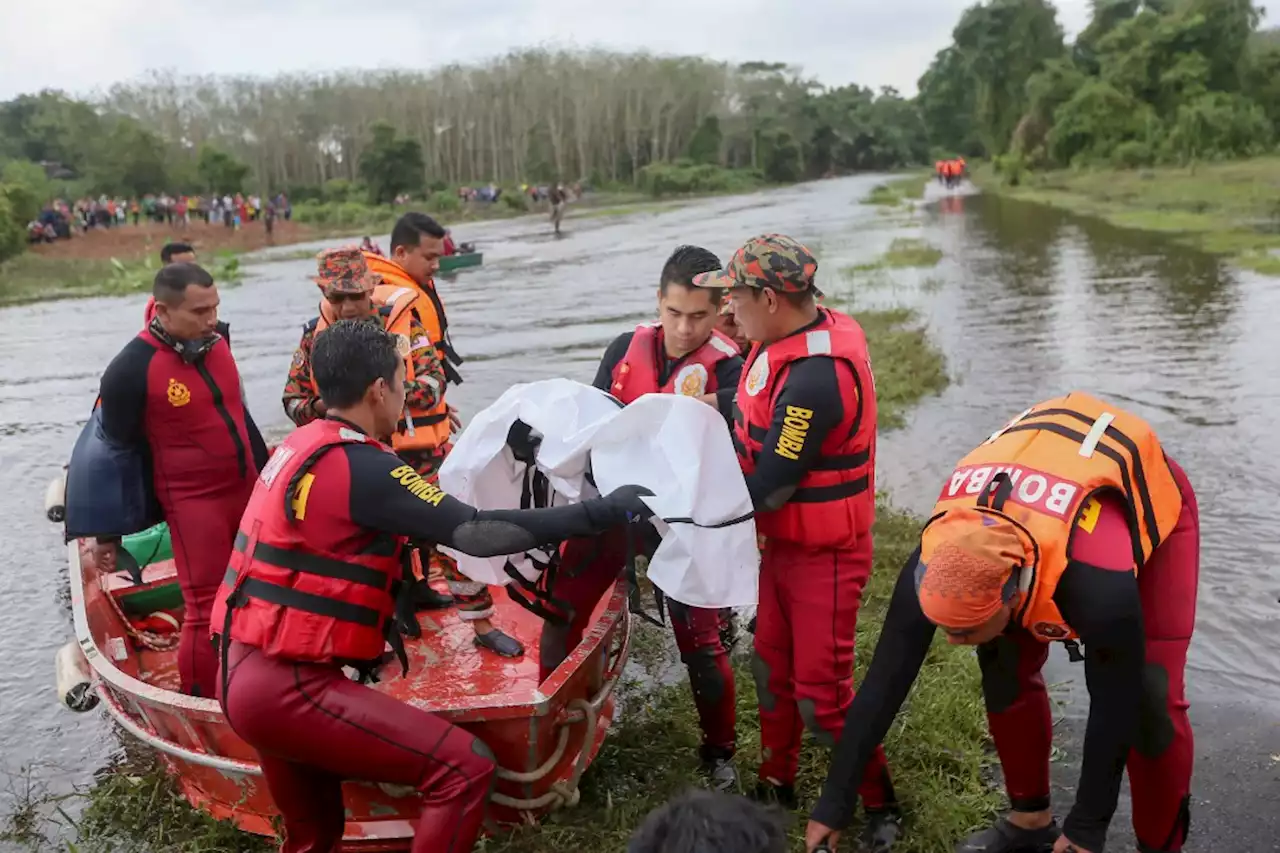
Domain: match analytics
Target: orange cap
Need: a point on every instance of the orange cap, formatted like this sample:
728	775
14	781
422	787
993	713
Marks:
965	576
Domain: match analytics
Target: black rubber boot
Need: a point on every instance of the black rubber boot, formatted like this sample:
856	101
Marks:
426	598
881	830
500	644
780	795
1004	837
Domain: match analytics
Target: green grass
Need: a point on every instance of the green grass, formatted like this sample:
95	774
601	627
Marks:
899	191
1229	209
39	278
938	747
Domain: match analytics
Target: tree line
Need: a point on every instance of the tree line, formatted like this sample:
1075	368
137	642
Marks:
1146	82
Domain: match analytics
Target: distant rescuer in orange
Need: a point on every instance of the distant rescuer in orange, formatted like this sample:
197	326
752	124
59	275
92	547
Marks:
804	426
1068	523
310	587
417	244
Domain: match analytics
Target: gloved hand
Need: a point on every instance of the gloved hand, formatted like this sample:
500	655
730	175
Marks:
625	502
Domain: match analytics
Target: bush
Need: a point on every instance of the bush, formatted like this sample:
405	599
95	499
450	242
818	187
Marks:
444	201
515	200
1132	155
13	233
686	177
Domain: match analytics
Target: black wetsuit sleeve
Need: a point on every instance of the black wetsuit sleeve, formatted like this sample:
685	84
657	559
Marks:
728	373
124	393
811	390
612	355
904	643
1104	608
387	495
224	329
256	442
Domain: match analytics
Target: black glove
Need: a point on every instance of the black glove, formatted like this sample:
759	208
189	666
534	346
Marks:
625	502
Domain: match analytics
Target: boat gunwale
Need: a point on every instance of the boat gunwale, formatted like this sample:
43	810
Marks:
112	680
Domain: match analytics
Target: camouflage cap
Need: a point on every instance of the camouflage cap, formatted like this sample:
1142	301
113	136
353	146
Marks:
770	260
344	271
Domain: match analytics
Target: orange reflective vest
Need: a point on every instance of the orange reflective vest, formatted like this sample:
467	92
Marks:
834	504
418	429
285	596
1041	470
430	311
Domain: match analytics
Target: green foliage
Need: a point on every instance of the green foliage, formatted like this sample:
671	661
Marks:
704	146
391	165
1145	83
13	232
682	176
444	202
515	200
220	172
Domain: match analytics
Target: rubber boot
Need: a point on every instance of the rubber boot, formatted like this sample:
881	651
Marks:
501	644
881	830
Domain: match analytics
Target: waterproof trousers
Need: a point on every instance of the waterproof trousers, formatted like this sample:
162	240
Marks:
1160	763
313	727
803	662
203	531
473	600
590	568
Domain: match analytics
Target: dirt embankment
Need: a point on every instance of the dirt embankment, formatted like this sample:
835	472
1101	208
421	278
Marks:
131	242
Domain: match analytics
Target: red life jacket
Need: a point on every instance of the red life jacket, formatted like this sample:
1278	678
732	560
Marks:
285	596
638	371
195	422
834	504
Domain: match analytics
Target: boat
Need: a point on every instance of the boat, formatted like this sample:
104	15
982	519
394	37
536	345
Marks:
460	260
544	735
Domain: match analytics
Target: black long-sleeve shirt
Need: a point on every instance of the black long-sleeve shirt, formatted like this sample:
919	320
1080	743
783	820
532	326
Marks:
386	495
1103	607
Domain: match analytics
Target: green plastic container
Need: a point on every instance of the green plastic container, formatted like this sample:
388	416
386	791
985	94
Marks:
152	545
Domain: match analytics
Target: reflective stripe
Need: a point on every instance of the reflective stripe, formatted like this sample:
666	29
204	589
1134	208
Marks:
313	564
818	342
1090	443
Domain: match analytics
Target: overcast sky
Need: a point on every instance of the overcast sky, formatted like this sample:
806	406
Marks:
80	45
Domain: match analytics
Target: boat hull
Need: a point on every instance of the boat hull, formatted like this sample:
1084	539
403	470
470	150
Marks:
543	735
463	260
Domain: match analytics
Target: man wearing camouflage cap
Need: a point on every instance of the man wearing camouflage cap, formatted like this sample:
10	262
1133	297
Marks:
353	292
804	426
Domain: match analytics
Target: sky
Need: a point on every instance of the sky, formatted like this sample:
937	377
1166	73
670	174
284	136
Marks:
90	44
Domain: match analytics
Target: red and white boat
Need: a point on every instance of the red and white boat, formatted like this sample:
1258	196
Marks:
544	735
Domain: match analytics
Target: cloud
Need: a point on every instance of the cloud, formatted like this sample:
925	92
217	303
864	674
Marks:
869	42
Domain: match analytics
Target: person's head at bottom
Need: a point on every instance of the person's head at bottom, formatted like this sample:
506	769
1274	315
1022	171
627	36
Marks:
710	822
967	579
359	371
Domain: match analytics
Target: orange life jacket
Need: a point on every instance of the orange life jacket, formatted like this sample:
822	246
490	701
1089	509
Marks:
418	429
638	371
430	311
292	600
834	504
1040	470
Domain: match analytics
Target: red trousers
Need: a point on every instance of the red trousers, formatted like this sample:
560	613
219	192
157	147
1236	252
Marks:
313	727
203	531
1160	784
803	662
590	569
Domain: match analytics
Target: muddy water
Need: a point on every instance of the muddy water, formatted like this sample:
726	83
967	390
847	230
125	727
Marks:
1026	305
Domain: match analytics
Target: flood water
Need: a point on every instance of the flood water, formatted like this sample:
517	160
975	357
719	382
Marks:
1026	305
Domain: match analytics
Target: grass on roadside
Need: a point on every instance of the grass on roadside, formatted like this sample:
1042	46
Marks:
902	252
1230	209
899	191
30	277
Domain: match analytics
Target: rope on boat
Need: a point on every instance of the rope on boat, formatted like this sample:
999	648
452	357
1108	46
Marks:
564	793
150	639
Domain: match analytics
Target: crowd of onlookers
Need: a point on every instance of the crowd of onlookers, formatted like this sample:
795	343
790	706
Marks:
61	218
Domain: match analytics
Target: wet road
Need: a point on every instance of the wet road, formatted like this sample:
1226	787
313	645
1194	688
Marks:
1027	304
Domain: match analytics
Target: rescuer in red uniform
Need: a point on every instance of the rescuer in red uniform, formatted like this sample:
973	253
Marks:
1068	523
805	431
311	587
680	354
175	387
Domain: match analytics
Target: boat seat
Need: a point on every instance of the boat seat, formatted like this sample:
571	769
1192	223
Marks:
158	591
